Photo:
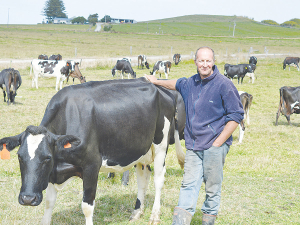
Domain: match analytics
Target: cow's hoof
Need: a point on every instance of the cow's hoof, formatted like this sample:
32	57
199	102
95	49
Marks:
135	215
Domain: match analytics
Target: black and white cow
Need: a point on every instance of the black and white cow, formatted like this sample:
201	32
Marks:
161	67
10	81
43	56
246	100
55	68
116	124
176	58
291	61
289	102
253	60
142	61
123	66
238	71
55	57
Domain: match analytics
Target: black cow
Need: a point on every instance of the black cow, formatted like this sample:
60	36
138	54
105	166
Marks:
123	66
246	100
142	61
253	60
106	126
55	57
176	58
238	71
289	102
10	81
43	57
291	61
161	67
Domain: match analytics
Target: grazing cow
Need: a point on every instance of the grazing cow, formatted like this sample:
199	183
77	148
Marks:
55	57
53	68
238	71
289	102
10	81
123	66
291	61
43	56
142	61
246	100
161	67
106	126
177	58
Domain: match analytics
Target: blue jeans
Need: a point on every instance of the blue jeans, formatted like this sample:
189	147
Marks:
203	166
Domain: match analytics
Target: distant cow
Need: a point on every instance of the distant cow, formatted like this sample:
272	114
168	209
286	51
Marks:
142	61
246	100
253	60
123	66
289	102
43	56
55	68
10	81
55	57
291	61
161	67
98	126
238	71
177	58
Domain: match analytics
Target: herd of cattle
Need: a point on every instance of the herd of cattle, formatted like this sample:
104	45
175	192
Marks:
77	135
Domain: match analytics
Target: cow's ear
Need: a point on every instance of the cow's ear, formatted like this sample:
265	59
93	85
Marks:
67	142
246	67
11	142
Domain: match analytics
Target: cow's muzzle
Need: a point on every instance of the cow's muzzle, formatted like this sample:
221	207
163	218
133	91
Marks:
31	200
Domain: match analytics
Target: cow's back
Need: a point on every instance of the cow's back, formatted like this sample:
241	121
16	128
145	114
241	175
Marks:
113	116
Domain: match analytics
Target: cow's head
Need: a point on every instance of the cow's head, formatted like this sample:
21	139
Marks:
248	68
133	74
113	72
75	72
147	65
37	153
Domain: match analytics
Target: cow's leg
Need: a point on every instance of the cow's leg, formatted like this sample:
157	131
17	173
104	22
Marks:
51	194
4	94
166	75
8	94
62	79
247	116
241	132
278	114
288	119
143	176
90	179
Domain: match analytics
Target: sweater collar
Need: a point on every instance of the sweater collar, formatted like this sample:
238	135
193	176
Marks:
207	79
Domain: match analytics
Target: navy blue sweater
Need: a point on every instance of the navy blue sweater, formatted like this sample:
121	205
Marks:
209	103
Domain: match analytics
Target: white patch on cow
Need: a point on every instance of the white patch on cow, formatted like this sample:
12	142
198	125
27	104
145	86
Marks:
88	211
293	105
3	87
33	142
51	194
241	133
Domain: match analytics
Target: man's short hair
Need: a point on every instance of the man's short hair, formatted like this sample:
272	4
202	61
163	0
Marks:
203	47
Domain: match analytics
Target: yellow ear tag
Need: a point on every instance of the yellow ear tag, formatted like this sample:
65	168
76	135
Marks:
68	145
5	154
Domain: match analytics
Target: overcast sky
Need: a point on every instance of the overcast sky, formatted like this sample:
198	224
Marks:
30	11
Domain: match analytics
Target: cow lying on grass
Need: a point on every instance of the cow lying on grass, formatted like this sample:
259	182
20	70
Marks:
106	126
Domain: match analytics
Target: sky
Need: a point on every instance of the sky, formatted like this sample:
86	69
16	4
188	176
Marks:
30	11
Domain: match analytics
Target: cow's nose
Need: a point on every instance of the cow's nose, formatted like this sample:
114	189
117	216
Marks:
28	200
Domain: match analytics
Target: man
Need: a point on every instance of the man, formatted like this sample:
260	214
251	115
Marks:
213	112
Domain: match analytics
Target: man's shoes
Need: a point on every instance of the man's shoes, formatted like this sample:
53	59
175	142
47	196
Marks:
208	219
181	217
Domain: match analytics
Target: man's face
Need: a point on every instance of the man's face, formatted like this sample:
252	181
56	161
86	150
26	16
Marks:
204	62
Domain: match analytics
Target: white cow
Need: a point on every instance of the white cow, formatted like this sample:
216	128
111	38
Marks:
51	68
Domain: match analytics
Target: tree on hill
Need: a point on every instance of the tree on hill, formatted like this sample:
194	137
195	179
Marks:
106	19
93	19
296	21
54	8
289	24
271	22
79	19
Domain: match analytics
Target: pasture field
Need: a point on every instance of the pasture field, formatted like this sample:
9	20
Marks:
261	175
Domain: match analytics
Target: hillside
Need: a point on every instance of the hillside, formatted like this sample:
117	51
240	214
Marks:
208	25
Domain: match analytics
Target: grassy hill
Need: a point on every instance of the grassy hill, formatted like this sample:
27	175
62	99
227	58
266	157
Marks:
208	25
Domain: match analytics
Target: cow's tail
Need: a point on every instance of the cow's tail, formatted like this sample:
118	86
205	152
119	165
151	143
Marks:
179	151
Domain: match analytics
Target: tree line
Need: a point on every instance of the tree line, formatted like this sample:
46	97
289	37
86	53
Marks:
56	8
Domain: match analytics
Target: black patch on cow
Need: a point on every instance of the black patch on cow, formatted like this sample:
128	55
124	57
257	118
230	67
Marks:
149	168
137	204
35	130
